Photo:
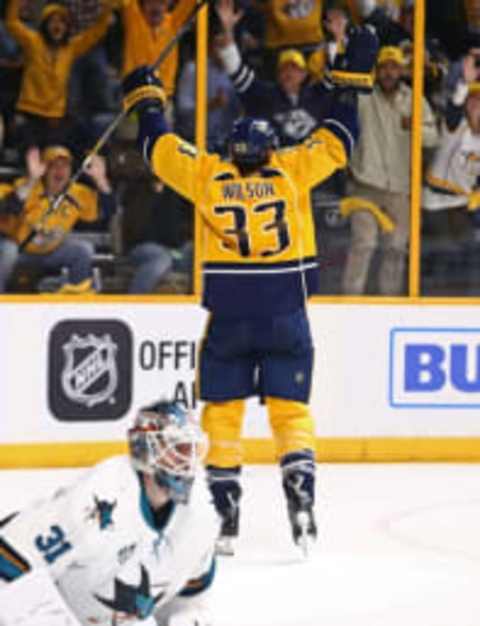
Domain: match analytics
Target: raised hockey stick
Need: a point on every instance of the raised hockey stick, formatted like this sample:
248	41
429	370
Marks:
57	201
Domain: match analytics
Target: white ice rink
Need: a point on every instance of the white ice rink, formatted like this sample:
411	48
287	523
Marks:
399	545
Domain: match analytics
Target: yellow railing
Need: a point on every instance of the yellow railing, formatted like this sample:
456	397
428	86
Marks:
416	154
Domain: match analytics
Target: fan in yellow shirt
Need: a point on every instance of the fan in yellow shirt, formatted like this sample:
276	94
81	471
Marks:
148	28
49	54
23	207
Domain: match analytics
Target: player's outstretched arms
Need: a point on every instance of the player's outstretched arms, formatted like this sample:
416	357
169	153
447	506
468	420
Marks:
143	92
343	123
169	157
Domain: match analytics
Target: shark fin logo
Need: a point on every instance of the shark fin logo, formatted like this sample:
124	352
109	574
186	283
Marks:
102	512
130	601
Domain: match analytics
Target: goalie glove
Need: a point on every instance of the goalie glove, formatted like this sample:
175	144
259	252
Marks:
142	89
354	67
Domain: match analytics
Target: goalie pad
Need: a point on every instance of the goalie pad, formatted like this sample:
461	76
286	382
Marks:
34	600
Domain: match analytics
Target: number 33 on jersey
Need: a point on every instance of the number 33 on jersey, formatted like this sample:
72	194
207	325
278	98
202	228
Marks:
258	242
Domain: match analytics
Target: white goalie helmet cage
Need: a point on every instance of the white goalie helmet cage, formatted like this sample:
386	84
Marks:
165	442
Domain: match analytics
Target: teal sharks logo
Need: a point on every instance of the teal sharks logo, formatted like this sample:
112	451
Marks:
102	512
132	601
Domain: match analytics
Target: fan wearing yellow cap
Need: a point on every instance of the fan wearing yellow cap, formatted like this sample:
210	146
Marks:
25	205
380	176
291	103
49	54
391	54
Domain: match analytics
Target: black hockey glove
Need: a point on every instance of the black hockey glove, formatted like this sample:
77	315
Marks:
142	89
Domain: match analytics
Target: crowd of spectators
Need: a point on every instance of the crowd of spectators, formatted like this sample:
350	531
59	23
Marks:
120	230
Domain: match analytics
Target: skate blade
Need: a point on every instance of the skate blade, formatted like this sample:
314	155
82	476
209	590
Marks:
225	546
306	540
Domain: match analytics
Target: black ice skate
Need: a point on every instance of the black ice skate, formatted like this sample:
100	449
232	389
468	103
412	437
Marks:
299	486
225	488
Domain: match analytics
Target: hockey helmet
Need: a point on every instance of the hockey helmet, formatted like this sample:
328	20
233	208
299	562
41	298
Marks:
167	444
251	141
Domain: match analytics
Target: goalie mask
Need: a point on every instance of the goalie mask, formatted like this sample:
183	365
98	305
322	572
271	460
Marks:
165	443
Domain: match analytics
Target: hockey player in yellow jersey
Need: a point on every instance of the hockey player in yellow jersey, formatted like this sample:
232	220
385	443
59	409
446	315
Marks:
258	268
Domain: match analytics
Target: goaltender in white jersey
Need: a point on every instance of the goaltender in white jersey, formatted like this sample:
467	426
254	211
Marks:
132	541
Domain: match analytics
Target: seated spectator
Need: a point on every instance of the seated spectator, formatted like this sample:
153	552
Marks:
148	26
451	189
159	243
380	173
223	105
167	247
31	235
49	55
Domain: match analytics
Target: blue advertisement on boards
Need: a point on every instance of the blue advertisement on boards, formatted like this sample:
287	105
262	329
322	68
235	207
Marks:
434	367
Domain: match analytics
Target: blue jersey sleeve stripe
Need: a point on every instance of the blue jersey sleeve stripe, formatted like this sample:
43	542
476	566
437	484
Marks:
342	132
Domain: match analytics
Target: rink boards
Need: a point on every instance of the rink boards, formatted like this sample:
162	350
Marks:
391	382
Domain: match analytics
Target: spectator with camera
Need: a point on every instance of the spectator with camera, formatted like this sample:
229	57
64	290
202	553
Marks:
33	234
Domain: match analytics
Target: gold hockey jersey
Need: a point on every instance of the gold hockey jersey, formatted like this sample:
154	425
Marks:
259	251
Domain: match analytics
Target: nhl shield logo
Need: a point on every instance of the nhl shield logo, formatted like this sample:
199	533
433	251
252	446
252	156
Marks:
90	373
90	369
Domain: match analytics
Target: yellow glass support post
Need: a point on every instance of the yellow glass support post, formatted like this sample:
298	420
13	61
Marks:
200	128
416	153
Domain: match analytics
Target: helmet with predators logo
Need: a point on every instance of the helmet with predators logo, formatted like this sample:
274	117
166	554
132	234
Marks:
251	141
